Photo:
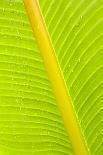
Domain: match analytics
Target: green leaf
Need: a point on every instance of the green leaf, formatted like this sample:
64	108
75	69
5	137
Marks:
30	121
76	30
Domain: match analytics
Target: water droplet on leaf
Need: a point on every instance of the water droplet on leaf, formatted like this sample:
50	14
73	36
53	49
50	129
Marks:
79	60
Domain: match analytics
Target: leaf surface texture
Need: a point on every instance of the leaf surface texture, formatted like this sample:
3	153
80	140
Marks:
30	121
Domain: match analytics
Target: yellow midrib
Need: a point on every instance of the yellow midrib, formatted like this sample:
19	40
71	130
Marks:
56	77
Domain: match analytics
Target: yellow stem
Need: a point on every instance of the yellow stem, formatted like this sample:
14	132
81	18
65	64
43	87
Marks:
56	77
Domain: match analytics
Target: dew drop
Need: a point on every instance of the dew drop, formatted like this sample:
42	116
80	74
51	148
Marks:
3	9
10	4
32	146
48	132
19	100
81	17
18	32
79	60
12	78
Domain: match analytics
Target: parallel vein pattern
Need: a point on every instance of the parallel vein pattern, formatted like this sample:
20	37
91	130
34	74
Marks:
76	29
30	123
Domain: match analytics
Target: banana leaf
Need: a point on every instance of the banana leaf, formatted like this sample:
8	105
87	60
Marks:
31	122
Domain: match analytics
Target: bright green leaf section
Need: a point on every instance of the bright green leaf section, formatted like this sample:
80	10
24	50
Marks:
76	30
30	122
